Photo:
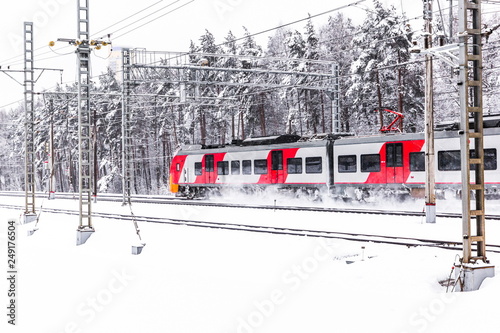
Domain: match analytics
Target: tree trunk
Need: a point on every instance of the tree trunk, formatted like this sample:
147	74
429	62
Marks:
400	92
262	115
379	97
203	128
242	126
323	112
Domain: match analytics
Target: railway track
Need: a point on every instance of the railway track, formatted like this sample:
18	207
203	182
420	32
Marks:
203	203
358	237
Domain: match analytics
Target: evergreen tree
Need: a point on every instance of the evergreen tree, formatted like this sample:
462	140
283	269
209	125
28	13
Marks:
336	39
383	41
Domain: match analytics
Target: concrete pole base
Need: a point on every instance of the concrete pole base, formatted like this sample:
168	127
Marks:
137	249
28	218
472	275
83	234
430	212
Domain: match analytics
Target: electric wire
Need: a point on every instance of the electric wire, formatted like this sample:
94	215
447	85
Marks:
262	32
149	15
128	17
42	47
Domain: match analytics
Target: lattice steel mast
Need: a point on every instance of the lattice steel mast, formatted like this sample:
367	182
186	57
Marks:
85	155
471	103
126	125
29	83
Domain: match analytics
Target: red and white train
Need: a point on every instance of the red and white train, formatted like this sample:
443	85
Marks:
343	166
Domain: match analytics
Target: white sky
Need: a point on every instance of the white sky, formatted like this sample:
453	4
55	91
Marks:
57	19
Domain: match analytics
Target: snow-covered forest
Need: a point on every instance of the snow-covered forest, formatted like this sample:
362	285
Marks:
376	69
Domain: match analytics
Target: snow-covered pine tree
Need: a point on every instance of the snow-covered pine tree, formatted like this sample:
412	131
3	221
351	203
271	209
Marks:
336	38
382	41
313	103
251	117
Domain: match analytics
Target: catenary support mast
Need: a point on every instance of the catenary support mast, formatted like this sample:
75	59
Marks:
126	136
470	87
85	155
474	267
336	99
430	193
29	87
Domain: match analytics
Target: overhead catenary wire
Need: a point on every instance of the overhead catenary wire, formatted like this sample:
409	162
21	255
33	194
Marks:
150	21
281	26
5	62
128	17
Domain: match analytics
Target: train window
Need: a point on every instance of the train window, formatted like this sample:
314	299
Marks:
197	169
449	160
277	160
235	167
314	165
417	161
370	163
260	167
223	168
209	163
247	167
347	163
394	154
294	165
490	159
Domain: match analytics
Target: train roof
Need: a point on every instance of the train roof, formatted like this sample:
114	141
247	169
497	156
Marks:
489	121
317	140
263	143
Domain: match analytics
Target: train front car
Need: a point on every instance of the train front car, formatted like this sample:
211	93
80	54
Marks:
176	169
285	162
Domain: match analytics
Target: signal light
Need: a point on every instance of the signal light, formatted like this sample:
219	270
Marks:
52	43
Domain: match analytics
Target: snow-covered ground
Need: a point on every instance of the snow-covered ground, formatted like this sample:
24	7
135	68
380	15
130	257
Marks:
191	279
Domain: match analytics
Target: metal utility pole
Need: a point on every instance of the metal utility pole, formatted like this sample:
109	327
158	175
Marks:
29	87
51	159
430	194
126	137
85	154
472	273
85	228
336	100
470	87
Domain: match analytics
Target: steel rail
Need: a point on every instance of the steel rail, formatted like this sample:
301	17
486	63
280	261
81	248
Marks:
182	201
349	236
